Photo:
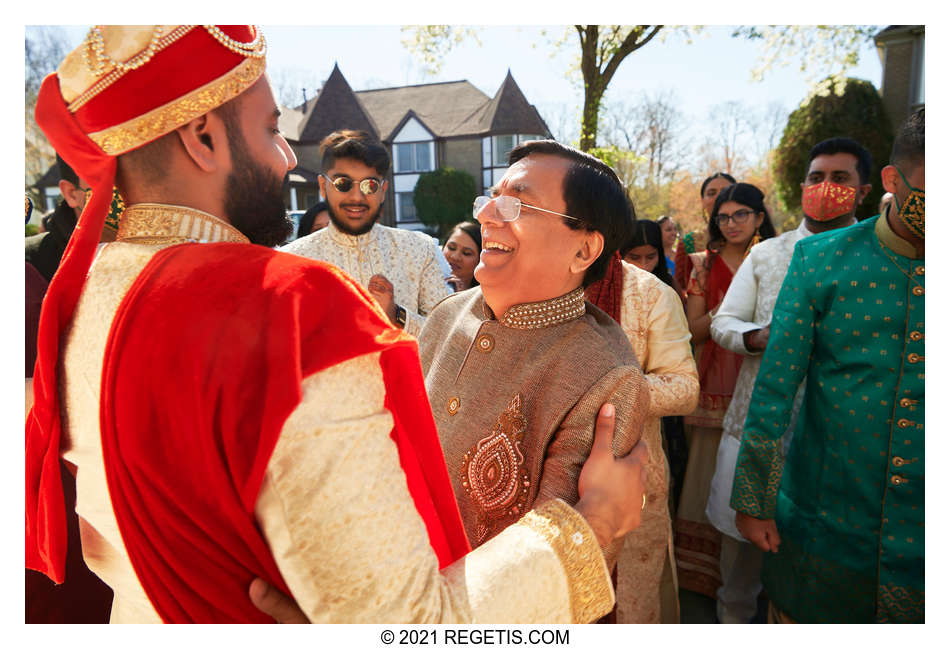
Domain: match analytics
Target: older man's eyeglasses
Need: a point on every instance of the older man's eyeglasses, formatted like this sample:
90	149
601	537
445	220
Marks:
343	184
509	208
739	217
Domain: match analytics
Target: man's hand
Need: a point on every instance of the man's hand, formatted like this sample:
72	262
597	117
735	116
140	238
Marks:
760	532
382	289
611	489
757	340
271	601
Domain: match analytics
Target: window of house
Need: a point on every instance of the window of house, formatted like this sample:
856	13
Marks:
503	144
405	208
414	156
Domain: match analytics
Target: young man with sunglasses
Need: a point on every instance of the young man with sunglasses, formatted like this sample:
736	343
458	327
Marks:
840	518
400	268
837	166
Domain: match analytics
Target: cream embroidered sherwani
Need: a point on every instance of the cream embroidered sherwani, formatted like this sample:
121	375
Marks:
652	316
334	505
515	400
407	259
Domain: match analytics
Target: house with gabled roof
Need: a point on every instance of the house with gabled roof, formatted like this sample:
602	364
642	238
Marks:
424	127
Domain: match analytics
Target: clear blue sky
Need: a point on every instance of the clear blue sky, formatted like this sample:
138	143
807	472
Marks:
714	68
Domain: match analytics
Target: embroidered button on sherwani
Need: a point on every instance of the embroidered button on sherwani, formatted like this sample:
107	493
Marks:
849	504
523	393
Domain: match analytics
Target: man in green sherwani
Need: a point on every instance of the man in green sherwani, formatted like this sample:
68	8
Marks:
842	523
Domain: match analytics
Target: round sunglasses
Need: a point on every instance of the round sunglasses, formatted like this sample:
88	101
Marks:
343	184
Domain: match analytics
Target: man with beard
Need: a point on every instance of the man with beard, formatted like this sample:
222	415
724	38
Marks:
231	411
399	267
836	181
841	519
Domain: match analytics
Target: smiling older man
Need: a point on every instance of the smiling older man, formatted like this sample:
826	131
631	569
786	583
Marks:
517	367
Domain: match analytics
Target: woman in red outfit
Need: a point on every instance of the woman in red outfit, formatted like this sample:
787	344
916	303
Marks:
738	221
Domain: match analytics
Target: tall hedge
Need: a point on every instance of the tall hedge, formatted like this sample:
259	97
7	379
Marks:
444	197
849	107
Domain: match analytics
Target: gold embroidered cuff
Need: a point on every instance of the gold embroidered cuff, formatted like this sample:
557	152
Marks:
758	475
591	593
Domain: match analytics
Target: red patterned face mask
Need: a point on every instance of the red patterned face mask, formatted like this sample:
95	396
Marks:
827	200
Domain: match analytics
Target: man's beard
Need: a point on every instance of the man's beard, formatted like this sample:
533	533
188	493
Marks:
254	201
342	226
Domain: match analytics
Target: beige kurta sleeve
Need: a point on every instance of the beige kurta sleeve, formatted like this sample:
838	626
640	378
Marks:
432	290
668	364
345	534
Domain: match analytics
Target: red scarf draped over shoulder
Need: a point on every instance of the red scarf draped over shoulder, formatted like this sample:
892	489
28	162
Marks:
718	367
202	367
607	293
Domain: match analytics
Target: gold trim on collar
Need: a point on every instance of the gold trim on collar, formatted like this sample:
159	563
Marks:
892	240
537	315
156	223
124	137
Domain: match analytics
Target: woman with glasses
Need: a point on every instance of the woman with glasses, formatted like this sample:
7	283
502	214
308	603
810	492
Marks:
738	221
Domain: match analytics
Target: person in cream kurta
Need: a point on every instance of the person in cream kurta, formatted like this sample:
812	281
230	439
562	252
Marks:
402	269
406	258
652	317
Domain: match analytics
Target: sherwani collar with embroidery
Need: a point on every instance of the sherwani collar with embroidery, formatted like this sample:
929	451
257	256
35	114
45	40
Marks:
155	223
892	240
546	313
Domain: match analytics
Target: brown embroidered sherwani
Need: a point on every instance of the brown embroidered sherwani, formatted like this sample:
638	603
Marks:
515	400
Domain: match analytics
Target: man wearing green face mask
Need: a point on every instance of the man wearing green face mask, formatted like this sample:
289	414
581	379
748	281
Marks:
841	518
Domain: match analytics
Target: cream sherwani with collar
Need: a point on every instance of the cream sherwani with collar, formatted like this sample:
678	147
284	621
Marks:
652	317
406	258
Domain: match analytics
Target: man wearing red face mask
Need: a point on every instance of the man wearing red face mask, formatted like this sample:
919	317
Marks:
840	517
836	180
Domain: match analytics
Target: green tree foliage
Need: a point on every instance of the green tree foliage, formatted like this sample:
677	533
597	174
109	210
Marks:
444	197
850	107
820	49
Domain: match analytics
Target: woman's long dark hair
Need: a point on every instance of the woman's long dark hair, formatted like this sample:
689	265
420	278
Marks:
648	233
744	194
